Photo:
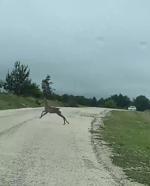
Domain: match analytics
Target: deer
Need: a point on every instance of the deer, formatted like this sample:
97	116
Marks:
54	110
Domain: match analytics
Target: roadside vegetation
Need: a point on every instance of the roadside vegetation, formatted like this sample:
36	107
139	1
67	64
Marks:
128	134
10	101
18	82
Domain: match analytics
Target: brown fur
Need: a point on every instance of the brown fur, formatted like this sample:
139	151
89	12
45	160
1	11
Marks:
54	110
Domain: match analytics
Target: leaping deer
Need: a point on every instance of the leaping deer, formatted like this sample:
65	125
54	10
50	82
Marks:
55	110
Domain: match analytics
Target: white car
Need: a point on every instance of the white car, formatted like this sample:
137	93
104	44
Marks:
132	108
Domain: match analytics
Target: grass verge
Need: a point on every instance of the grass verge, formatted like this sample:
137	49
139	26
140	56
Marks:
128	133
8	101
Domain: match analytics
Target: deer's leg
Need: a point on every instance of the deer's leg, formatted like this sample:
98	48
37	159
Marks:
59	114
43	113
66	120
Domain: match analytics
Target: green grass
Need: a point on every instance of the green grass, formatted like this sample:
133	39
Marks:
128	133
8	101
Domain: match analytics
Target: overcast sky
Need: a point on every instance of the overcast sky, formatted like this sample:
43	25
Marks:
93	48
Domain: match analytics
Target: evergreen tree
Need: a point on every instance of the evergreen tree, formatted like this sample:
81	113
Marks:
17	79
46	87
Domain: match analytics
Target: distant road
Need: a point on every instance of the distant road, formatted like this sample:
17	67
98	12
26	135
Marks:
37	152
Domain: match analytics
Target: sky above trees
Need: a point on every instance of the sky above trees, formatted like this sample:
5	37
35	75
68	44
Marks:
99	47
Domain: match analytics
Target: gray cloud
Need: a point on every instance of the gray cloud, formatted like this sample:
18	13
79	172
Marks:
96	47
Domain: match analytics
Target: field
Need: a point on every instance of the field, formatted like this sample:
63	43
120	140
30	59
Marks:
128	134
8	101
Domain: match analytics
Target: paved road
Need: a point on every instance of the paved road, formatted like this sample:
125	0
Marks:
37	152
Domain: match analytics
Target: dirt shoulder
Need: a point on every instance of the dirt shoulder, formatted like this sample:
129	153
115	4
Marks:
104	153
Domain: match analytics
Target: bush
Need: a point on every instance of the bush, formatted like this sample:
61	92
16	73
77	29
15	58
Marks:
110	104
142	103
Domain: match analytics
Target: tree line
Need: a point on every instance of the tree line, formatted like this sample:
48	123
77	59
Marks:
18	81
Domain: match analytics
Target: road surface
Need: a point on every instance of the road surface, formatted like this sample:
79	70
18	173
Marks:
37	152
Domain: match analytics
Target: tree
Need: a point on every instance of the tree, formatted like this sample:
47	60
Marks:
121	101
1	85
32	89
142	103
46	86
101	102
109	103
94	102
17	80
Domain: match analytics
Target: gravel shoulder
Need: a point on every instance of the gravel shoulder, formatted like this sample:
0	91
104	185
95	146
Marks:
40	152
